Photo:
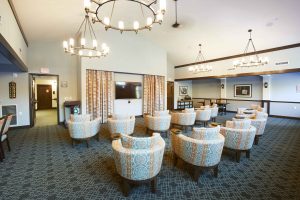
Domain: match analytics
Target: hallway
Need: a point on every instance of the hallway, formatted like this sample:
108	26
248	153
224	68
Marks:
46	117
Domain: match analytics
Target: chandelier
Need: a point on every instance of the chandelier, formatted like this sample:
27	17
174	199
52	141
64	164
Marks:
145	7
200	67
86	48
250	61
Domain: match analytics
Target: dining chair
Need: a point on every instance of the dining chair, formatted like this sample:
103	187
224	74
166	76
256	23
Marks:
4	135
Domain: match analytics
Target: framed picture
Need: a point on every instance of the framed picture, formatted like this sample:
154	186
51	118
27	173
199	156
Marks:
183	90
244	90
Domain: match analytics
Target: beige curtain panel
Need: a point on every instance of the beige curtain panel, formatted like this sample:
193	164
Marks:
100	96
154	93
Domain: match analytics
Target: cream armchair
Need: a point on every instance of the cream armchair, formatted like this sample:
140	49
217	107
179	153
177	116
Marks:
159	123
203	116
202	149
183	119
121	125
214	113
80	118
84	130
239	137
138	159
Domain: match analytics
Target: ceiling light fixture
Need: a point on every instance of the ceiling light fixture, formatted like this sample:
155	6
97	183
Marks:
152	18
250	60
200	67
176	24
86	48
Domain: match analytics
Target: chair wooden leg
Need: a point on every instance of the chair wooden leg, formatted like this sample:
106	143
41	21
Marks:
8	145
238	156
153	185
216	171
248	153
256	139
2	151
197	172
87	143
125	187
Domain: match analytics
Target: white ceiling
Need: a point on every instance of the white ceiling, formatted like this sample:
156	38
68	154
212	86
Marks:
220	25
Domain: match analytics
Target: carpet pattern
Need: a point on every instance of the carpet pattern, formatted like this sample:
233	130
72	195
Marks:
43	165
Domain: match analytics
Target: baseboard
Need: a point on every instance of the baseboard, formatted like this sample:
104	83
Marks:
19	127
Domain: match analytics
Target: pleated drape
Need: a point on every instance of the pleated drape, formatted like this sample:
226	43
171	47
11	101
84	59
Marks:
154	93
99	87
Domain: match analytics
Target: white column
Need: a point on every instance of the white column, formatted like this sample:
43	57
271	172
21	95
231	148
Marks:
223	88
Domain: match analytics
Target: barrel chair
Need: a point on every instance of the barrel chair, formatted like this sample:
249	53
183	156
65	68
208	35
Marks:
159	122
84	130
202	148
121	124
203	116
184	119
239	137
80	118
138	160
4	127
214	113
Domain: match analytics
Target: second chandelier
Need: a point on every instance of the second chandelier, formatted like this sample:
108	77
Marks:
110	13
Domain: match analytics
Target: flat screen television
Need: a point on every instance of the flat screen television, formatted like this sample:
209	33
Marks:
128	90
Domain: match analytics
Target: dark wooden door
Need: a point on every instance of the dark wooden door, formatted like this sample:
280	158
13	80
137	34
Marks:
44	97
170	95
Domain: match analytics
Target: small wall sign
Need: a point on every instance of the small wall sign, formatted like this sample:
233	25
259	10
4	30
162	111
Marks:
12	90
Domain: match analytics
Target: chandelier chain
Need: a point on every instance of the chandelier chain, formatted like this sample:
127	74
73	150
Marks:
112	11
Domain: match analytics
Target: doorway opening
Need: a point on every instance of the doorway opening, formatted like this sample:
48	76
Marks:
170	95
43	100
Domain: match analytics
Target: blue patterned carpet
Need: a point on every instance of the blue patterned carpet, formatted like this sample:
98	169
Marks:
43	165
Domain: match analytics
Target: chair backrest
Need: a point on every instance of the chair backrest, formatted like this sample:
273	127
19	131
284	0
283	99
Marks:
131	142
203	115
241	139
205	133
7	123
183	118
84	129
260	125
161	113
261	115
2	124
214	111
158	123
188	110
80	118
241	110
239	124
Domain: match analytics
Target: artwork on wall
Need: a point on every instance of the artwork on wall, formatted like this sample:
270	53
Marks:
183	90
243	90
12	90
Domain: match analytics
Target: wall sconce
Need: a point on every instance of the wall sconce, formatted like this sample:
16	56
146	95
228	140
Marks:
266	84
222	86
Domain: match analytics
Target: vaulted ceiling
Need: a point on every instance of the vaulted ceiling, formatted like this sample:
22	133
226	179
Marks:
221	26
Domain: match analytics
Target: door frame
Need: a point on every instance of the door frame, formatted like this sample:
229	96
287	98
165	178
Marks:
30	79
173	93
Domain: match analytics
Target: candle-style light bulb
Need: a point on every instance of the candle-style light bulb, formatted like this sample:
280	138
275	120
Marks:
149	21
80	52
106	21
162	6
87	4
121	25
71	42
136	25
95	44
82	42
65	45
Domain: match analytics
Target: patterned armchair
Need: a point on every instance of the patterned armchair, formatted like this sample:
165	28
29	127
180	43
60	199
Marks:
84	130
260	125
121	125
4	126
158	123
203	116
239	136
202	149
183	119
214	113
138	159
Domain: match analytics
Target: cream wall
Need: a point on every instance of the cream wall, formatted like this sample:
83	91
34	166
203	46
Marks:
129	53
207	88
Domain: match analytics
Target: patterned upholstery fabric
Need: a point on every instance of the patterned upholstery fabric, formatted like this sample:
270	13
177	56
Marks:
239	124
214	111
85	129
260	125
139	142
185	119
161	123
247	116
204	133
203	153
7	124
261	115
239	139
161	113
139	164
203	115
80	118
123	126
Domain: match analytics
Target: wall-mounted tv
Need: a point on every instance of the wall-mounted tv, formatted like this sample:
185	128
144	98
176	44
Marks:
128	90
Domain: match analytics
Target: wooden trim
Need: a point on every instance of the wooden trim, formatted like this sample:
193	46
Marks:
240	55
18	21
12	56
131	73
242	74
254	100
